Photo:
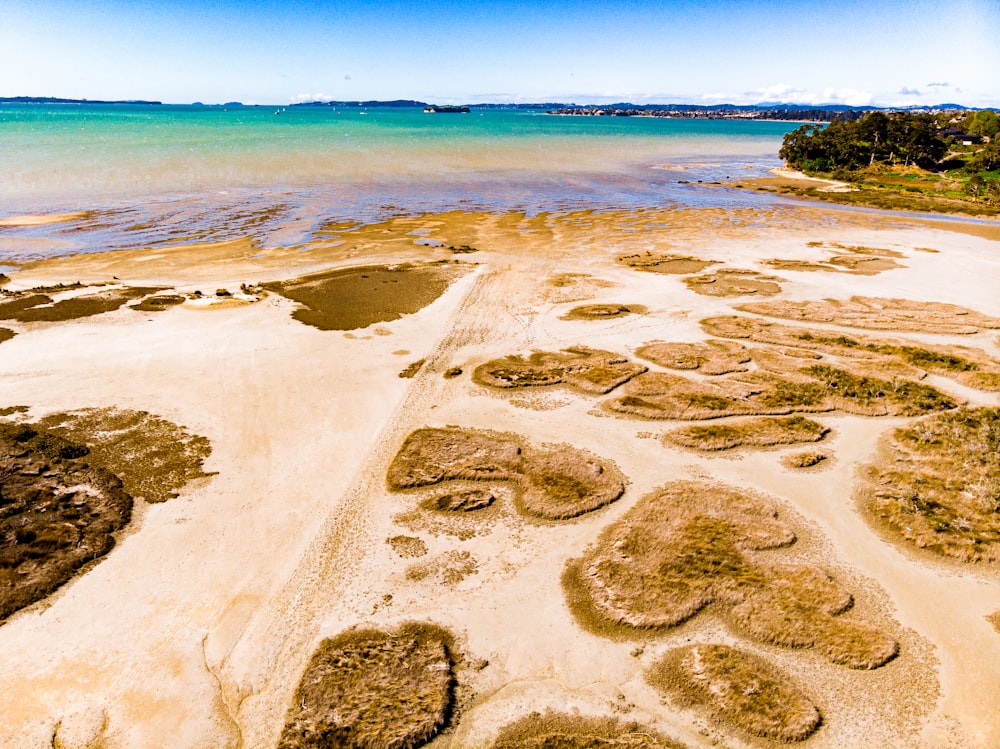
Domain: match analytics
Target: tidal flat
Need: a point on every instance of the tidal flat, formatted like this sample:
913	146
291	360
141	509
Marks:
601	507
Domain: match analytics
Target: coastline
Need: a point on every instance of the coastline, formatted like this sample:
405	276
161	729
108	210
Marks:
195	629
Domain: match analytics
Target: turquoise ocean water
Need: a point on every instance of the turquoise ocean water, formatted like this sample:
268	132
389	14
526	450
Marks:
162	173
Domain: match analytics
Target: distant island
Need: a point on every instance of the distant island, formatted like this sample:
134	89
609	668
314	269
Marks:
434	109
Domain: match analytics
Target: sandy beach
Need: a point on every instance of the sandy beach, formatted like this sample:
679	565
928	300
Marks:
195	630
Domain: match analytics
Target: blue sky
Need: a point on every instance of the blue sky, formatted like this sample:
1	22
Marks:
853	52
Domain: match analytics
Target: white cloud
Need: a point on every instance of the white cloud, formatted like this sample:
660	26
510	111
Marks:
904	91
945	85
299	98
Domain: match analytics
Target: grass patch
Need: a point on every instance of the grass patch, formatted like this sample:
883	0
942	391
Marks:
552	730
366	688
806	459
938	486
881	314
670	264
764	431
158	303
35	307
994	619
603	311
57	513
709	358
449	568
692	545
737	689
460	500
6	334
153	457
968	366
411	369
359	297
581	368
556	483
727	282
866	261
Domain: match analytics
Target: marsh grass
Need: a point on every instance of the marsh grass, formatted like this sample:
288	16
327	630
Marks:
460	500
366	688
670	264
153	457
994	619
411	369
158	303
867	261
737	689
806	459
34	307
407	546
6	334
358	297
603	311
708	358
726	282
968	366
764	431
938	485
691	545
588	370
556	482
552	730
57	513
880	314
815	388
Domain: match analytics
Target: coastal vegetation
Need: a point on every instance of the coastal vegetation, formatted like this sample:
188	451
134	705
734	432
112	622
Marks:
693	545
734	282
737	689
57	513
603	311
763	431
556	482
552	730
711	357
369	688
937	485
588	370
914	161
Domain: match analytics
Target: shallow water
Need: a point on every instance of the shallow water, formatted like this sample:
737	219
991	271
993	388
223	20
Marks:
151	175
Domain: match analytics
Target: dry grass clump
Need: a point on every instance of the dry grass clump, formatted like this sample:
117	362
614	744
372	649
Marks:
460	500
881	314
153	457
734	282
709	358
407	546
867	261
358	297
738	689
589	370
815	388
366	688
763	431
971	367
672	264
806	459
57	513
38	307
557	482
691	545
603	311
939	486
6	334
411	369
551	730
994	619
158	303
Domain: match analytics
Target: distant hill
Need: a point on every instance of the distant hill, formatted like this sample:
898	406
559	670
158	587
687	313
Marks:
56	100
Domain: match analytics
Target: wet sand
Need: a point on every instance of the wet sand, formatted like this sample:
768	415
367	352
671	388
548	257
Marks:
195	629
